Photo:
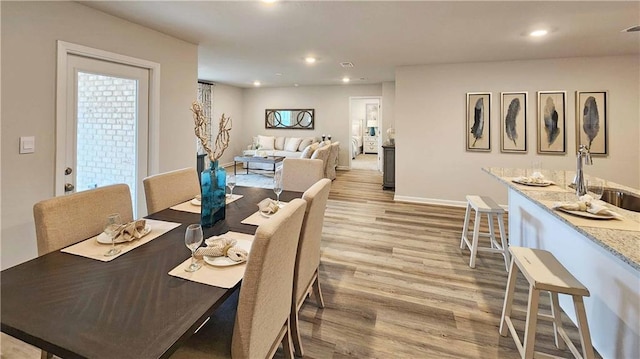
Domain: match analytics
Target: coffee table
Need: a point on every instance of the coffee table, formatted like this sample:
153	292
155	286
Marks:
274	160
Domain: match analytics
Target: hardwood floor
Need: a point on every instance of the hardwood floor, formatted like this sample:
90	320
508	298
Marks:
396	284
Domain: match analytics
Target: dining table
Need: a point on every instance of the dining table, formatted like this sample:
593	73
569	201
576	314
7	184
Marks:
130	307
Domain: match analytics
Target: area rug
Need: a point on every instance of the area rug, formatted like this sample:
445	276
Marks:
365	162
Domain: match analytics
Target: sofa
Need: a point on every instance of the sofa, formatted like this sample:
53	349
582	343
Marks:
294	147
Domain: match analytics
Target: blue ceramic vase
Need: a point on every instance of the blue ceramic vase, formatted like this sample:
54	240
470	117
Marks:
213	182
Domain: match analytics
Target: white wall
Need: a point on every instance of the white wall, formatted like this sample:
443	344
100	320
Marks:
228	100
331	104
388	108
431	161
29	34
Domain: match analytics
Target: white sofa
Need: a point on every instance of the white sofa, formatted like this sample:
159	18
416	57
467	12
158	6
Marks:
289	147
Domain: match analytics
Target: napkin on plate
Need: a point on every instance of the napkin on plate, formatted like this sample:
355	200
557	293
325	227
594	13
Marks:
132	230
585	203
536	177
268	206
222	247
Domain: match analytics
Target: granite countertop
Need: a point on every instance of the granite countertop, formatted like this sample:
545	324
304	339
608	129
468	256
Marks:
624	244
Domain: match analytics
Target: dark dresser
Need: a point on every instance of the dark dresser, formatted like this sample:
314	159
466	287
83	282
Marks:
389	167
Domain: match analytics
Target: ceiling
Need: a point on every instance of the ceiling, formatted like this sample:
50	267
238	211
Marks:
244	41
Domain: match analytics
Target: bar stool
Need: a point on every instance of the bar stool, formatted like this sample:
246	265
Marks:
484	205
544	273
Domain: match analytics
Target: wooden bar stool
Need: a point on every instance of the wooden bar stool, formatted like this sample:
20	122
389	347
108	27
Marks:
484	205
544	273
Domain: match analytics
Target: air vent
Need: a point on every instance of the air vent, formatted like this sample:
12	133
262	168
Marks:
632	29
346	64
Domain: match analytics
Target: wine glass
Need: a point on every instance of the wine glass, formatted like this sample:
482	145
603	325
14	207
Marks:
193	240
231	182
111	229
595	187
277	185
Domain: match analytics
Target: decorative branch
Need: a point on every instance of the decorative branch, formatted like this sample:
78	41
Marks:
202	132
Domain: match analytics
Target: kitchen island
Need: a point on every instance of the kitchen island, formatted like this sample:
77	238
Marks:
603	254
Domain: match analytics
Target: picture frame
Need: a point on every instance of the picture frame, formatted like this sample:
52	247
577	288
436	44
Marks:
551	122
592	122
513	122
478	122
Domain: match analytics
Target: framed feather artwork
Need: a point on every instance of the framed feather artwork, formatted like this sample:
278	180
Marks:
478	123
591	121
513	122
551	124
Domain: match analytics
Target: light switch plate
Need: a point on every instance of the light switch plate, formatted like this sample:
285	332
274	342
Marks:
27	144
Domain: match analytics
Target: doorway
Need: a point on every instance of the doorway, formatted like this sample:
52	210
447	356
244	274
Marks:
365	145
103	134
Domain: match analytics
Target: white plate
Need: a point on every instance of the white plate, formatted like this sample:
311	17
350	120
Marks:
103	238
195	202
225	261
587	214
534	184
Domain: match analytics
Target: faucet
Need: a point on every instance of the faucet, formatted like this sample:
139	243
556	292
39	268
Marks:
584	157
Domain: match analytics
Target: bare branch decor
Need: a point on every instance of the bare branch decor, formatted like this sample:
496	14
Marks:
203	132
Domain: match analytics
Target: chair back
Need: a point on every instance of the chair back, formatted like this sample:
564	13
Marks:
322	153
308	256
298	174
65	220
265	294
164	190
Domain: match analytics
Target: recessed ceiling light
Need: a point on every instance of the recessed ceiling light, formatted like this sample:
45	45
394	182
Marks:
256	83
310	60
538	33
346	79
278	74
346	64
296	85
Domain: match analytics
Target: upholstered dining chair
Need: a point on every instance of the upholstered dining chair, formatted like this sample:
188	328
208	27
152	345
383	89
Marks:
305	275
298	174
65	220
264	302
164	190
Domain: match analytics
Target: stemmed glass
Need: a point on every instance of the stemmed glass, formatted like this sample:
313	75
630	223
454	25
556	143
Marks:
193	240
595	187
277	185
231	182
111	229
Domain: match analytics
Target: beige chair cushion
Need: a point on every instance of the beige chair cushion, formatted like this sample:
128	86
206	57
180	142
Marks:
298	174
306	142
308	151
65	220
308	257
332	161
167	189
322	153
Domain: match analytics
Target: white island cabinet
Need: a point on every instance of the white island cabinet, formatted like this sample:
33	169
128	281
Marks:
603	254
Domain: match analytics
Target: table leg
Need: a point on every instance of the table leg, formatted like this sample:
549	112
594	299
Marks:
234	168
248	163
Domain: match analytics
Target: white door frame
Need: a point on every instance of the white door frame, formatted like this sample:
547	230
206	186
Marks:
67	48
380	120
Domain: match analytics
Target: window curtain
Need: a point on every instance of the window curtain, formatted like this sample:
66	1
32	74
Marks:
205	97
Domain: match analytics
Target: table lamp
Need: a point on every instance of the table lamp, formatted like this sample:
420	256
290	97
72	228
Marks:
372	124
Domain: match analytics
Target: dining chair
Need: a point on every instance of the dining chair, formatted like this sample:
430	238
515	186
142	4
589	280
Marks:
298	174
65	220
305	275
164	190
264	302
322	153
332	161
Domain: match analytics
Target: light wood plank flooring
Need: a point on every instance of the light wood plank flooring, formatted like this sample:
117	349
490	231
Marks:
396	284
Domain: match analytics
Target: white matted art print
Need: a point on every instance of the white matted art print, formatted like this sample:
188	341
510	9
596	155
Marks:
478	121
552	122
513	122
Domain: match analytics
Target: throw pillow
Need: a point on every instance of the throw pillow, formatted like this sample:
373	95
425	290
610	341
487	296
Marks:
279	143
308	151
266	142
305	142
291	144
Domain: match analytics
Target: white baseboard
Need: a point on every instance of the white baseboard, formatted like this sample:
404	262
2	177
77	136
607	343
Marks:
343	168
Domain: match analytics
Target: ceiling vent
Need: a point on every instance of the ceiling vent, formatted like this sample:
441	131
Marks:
632	29
346	64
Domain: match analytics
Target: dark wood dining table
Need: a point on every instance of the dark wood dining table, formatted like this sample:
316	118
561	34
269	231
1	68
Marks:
130	307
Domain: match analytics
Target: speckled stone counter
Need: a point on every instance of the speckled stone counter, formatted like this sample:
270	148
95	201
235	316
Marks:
625	244
602	254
